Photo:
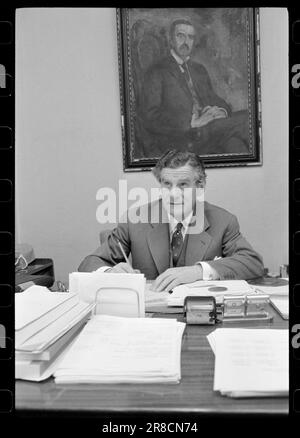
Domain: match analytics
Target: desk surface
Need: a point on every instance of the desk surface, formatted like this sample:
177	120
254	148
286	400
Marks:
193	395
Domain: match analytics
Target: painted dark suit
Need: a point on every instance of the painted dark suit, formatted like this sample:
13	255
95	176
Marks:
166	112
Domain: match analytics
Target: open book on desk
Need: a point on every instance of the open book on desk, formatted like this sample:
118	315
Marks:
251	362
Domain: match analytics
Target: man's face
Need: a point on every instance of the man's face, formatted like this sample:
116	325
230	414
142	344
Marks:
180	190
183	40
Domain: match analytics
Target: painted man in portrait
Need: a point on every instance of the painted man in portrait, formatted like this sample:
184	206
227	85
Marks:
180	107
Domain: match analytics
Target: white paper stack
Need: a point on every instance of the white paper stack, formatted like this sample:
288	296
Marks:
113	349
251	362
36	308
216	289
281	304
274	291
279	298
45	324
114	294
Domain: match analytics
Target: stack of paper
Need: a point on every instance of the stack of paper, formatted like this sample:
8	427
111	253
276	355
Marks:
279	297
216	289
45	323
157	302
124	350
251	362
277	291
281	304
36	308
114	294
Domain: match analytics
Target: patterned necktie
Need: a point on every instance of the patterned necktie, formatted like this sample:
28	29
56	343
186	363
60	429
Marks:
177	243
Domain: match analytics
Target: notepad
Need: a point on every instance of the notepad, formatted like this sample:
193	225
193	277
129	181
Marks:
114	294
113	349
251	362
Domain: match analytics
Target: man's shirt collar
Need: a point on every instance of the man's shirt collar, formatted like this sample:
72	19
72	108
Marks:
173	223
177	58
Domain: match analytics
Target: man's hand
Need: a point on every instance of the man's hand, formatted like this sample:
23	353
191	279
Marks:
173	277
215	111
208	114
122	268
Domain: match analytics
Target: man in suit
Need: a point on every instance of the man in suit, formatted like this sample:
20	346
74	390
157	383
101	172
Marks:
179	238
180	106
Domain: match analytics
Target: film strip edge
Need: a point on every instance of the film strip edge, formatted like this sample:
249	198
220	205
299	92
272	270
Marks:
7	110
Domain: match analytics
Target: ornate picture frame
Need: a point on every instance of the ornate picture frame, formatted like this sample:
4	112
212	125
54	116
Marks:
190	80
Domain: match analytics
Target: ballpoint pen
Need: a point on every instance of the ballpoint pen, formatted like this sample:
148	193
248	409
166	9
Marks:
123	252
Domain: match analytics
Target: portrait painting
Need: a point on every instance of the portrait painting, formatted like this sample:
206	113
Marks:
189	80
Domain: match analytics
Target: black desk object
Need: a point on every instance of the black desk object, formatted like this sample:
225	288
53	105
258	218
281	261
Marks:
40	271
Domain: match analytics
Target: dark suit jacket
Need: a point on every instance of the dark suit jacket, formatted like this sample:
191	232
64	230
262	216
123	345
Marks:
149	244
167	100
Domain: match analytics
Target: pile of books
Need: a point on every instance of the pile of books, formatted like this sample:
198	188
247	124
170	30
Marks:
112	349
251	363
46	324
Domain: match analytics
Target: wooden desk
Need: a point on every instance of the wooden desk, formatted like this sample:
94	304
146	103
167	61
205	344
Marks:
192	396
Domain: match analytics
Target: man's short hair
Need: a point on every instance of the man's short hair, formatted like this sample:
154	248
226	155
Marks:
176	23
173	159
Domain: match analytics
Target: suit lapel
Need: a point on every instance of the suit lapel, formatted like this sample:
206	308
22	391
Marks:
158	238
198	244
159	245
175	70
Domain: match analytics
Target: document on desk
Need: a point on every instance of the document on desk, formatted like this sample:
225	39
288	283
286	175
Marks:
216	289
251	362
276	291
157	302
281	304
115	294
113	349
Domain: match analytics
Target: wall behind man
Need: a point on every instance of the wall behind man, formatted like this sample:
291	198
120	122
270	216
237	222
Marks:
68	137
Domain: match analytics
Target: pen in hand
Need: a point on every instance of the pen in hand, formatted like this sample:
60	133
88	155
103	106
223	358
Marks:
126	258
124	254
